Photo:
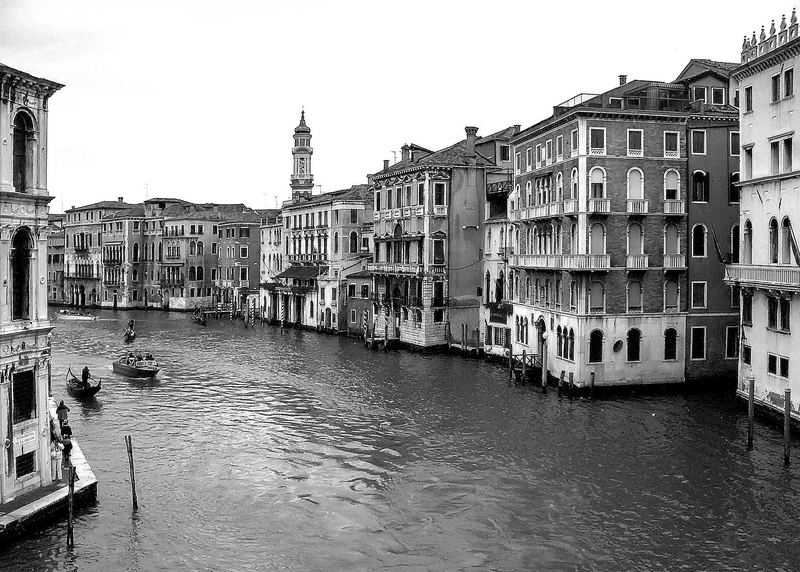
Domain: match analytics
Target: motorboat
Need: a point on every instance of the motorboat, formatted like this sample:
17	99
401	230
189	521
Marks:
74	315
136	366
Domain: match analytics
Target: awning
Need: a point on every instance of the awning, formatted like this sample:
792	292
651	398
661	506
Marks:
302	272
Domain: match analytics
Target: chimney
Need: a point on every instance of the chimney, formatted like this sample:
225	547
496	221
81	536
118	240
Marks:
406	152
120	200
385	164
469	151
623	79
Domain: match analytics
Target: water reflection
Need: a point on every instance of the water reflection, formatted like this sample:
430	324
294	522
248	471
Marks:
256	450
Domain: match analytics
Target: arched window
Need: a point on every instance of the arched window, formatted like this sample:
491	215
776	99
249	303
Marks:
735	244
354	242
672	184
136	252
700	187
634	296
200	272
499	287
773	241
192	273
573	296
160	251
487	296
200	247
525	200
336	243
671	244
670	344
527	288
786	238
635	239
573	183
635	184
670	296
747	246
192	248
559	342
597	183
733	190
525	330
22	152
571	353
596	346
559	187
573	239
20	259
597	296
699	241
634	344
597	239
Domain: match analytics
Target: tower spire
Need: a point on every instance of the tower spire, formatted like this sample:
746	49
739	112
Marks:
302	181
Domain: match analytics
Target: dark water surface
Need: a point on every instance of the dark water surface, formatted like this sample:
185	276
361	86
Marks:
259	451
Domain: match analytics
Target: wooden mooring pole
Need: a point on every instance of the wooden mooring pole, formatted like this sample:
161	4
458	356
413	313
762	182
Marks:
544	366
129	446
510	365
751	411
787	426
591	385
70	505
561	382
571	383
524	366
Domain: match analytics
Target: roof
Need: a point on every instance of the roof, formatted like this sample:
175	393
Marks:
302	272
101	205
698	67
356	192
503	134
133	211
452	156
360	274
249	217
52	85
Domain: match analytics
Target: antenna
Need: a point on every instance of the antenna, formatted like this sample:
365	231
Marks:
394	156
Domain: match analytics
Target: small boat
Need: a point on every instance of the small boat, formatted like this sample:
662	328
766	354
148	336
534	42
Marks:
199	318
73	315
129	335
82	390
136	365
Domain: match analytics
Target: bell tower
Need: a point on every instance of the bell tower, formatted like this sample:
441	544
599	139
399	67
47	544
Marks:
302	179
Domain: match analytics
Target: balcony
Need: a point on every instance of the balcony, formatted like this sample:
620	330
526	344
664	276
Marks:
674	261
111	282
773	276
395	268
406	212
440	210
554	209
81	249
539	211
170	282
570	206
549	261
637	261
112	261
82	274
437	269
586	261
637	206
376	215
674	207
600	206
506	251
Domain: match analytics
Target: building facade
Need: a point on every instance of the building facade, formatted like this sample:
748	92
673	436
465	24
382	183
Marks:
24	325
122	255
767	274
55	259
239	258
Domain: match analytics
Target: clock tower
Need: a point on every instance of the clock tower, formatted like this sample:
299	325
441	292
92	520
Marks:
302	179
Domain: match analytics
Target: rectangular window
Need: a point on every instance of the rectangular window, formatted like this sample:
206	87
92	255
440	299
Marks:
783	364
538	156
528	158
438	252
776	88
671	150
597	141
699	294
243	252
243	273
573	142
748	99
354	212
698	142
365	291
746	354
438	194
505	152
772	364
438	315
774	155
785	310
747	163
700	94
698	343
352	315
548	151
24	396
213	273
559	147
213	248
421	194
518	162
787	155
788	82
732	342
25	464
734	143
635	143
718	95
772	313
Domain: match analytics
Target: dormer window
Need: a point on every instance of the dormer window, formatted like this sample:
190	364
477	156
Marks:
699	94
718	95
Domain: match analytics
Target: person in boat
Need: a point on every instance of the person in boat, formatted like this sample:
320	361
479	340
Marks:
62	412
148	356
85	376
131	359
139	357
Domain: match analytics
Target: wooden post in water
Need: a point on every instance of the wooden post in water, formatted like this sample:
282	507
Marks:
524	366
129	446
510	365
571	384
70	504
386	335
544	366
591	385
750	411
561	382
787	426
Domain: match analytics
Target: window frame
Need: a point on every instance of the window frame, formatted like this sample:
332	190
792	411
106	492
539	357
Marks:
600	150
704	89
691	343
748	99
668	154
574	143
716	90
732	352
692	302
631	151
692	140
731	146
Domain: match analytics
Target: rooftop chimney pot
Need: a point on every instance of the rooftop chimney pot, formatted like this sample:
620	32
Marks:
406	152
623	79
469	151
119	199
385	164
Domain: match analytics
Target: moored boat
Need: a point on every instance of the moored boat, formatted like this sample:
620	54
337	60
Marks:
129	336
199	318
136	366
80	389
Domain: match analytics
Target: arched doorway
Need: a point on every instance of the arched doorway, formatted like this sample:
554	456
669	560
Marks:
396	302
115	299
21	253
540	331
327	317
82	296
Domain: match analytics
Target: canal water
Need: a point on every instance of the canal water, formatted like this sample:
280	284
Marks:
259	451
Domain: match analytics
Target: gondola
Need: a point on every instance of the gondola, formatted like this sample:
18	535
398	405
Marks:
136	366
129	335
199	318
77	388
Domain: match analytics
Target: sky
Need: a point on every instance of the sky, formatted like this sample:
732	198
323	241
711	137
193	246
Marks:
198	99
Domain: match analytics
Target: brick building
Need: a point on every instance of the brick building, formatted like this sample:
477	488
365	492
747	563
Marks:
239	258
122	252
